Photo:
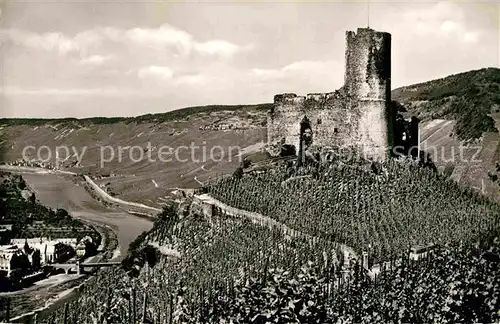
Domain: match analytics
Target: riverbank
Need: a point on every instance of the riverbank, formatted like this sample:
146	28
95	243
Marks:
104	195
15	168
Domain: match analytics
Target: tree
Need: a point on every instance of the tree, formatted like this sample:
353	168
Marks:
288	150
246	163
448	170
26	247
238	173
3	191
22	184
61	213
33	199
19	261
36	260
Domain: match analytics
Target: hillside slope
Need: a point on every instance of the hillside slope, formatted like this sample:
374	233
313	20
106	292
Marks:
460	120
384	209
227	270
460	116
231	129
469	98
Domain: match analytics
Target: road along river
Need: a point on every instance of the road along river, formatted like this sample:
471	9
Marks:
58	191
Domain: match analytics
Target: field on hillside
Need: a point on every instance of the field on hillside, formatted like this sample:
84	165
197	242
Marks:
213	258
153	183
460	117
459	114
468	164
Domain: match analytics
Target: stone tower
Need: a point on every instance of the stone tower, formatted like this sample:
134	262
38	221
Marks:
367	80
358	115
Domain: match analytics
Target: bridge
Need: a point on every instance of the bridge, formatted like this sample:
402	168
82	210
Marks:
79	267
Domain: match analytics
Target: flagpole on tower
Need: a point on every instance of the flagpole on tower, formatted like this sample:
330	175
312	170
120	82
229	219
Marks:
368	12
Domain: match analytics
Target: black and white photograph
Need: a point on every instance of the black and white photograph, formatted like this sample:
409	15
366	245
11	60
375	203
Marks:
249	162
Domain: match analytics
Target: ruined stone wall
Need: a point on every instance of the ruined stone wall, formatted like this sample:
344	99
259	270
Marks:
358	115
331	120
287	112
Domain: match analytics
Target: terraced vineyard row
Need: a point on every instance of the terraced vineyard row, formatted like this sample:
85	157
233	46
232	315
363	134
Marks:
383	209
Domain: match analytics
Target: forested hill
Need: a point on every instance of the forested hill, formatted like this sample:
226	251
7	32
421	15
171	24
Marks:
20	208
469	98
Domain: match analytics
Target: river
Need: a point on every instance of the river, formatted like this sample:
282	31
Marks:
58	191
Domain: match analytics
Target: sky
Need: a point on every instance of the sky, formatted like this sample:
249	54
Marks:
77	58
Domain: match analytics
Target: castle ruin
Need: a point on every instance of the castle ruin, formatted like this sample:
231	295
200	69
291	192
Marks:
358	116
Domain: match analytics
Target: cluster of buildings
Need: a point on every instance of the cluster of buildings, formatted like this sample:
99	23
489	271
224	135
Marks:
32	164
105	175
215	127
5	232
26	254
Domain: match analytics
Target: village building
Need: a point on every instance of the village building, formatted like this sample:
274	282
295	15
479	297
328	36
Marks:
8	253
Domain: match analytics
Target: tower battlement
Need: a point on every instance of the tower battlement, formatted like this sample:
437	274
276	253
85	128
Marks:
368	64
288	98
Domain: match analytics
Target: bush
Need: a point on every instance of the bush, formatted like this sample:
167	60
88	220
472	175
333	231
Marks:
238	173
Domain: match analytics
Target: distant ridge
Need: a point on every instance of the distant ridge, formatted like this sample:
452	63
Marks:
156	117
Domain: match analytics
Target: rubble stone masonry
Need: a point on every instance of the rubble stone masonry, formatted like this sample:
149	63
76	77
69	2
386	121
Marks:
358	115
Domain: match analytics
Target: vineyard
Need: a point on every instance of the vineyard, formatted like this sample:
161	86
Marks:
383	209
233	272
213	257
